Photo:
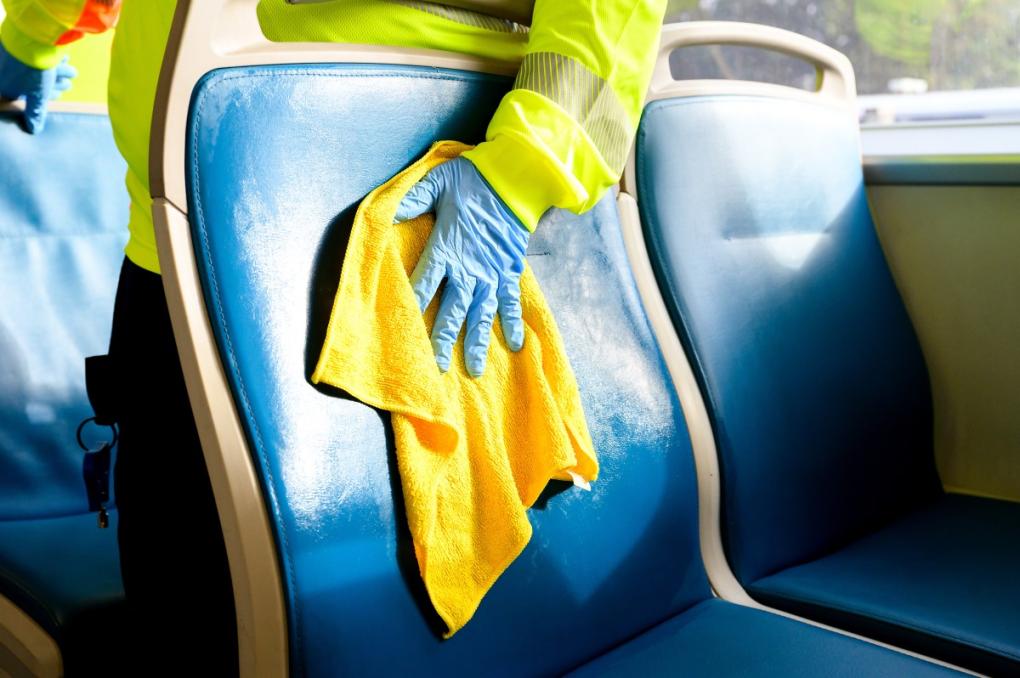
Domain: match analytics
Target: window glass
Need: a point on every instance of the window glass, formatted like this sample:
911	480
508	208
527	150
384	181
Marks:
922	60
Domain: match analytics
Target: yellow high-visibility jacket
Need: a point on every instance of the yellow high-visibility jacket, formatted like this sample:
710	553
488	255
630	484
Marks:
34	31
92	59
559	138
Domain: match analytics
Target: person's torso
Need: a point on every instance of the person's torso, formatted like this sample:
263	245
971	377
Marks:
143	31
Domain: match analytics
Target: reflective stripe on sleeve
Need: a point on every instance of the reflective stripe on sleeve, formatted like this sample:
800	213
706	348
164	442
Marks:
585	96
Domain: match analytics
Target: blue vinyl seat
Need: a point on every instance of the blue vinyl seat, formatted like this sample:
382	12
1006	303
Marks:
62	214
269	224
756	219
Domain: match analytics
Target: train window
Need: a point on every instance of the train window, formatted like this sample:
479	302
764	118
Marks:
917	61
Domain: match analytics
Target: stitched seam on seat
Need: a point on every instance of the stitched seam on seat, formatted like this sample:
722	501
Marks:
234	365
895	622
200	215
644	630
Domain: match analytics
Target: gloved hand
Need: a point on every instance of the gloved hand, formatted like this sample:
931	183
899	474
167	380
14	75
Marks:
478	246
37	86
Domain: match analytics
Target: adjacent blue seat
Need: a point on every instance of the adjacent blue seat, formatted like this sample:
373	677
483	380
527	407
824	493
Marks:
63	571
755	212
270	222
63	208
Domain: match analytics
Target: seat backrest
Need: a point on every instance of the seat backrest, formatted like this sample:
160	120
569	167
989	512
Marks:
756	219
269	223
63	208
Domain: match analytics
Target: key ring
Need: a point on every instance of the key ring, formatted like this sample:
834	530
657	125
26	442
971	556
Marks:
81	427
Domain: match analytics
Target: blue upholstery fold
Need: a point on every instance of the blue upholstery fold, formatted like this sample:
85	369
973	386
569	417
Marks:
717	639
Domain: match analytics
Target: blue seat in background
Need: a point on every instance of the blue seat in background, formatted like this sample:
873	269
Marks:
755	212
612	576
63	209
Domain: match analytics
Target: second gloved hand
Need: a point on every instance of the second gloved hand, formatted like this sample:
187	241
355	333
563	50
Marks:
37	86
478	247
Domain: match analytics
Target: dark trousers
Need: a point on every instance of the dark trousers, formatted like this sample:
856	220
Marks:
172	556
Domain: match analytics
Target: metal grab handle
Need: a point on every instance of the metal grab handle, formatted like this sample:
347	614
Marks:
835	75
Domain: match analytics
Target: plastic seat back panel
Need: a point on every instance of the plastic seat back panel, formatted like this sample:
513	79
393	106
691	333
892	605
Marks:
63	209
758	226
279	158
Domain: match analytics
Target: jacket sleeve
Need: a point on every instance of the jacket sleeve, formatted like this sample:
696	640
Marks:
561	136
35	30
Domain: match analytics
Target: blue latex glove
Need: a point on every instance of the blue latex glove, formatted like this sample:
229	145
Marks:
478	246
37	86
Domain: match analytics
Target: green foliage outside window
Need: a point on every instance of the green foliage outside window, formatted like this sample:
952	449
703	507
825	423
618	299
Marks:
948	44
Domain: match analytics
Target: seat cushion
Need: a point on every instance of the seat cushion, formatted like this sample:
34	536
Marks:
944	581
717	638
270	222
64	572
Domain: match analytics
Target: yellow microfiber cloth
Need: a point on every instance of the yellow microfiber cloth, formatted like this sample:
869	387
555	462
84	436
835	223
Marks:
473	454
